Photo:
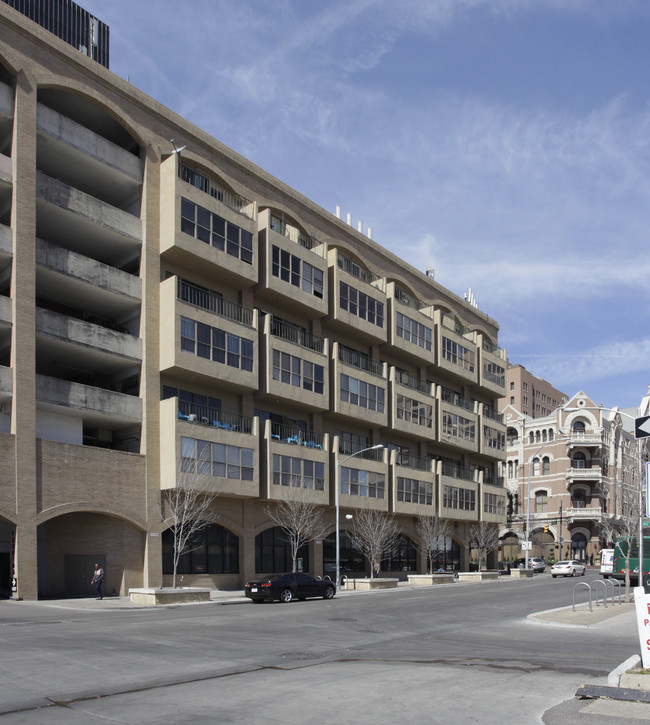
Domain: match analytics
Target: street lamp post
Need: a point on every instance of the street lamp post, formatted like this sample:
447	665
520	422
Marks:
337	467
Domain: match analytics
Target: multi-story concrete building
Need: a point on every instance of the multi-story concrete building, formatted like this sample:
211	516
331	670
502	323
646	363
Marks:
533	396
165	313
567	474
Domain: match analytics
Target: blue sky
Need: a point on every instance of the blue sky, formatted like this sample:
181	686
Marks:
505	143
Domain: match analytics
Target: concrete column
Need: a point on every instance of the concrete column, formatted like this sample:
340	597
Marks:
23	417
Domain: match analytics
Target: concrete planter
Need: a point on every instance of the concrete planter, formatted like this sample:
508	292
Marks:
368	584
427	580
518	573
151	595
477	576
635	681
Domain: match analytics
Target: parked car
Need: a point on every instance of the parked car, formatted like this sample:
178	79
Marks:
570	567
535	563
285	587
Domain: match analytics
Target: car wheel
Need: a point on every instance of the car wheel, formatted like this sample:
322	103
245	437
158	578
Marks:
574	572
286	595
553	575
584	571
328	593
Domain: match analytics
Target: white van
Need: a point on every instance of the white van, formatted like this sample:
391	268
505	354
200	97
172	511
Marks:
606	562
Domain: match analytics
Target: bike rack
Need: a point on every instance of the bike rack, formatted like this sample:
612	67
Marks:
582	584
600	582
597	583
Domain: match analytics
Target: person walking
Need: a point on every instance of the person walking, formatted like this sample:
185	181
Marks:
98	578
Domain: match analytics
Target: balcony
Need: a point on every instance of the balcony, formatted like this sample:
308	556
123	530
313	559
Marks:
364	479
594	474
97	407
297	365
410	333
574	514
85	160
210	427
458	495
492	377
416	493
77	221
412	409
205	234
293	269
359	386
68	278
357	307
580	438
456	356
231	372
458	426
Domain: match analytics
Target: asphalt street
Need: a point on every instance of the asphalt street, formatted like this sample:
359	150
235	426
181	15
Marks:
484	653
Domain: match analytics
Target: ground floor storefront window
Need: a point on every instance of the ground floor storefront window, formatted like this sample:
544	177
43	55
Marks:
214	550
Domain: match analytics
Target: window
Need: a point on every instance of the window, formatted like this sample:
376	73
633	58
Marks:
546	466
536	467
212	229
211	343
368	484
361	305
297	372
413	411
273	552
541	502
409	490
215	550
458	354
413	331
454	497
494	504
493	438
579	460
217	459
296	472
457	426
297	272
365	395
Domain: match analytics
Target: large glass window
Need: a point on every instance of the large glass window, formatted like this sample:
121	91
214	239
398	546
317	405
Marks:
458	426
217	459
365	395
273	553
448	556
410	490
356	482
458	354
413	411
290	268
217	345
454	497
215	550
404	558
494	504
413	331
216	231
298	372
297	472
360	304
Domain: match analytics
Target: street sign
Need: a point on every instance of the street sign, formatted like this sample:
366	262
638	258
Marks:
642	427
526	545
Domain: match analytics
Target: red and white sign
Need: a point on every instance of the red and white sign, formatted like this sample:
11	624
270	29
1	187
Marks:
642	602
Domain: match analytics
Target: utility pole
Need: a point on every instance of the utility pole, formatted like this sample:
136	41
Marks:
560	557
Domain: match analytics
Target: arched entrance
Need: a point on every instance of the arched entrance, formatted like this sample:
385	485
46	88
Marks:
70	545
273	553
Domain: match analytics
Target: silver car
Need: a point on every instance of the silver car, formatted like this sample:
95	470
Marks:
570	567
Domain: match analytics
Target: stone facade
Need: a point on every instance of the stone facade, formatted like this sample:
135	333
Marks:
157	308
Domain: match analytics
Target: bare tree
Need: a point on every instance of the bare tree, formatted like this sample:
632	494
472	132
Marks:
188	507
484	537
375	534
432	532
300	518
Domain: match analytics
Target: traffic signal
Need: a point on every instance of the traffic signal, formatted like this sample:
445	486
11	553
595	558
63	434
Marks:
546	528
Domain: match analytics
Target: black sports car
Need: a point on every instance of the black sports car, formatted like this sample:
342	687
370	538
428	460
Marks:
285	587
